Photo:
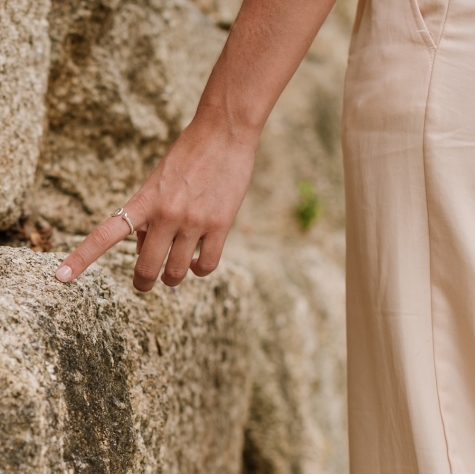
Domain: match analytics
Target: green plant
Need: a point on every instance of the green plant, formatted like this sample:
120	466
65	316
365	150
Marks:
309	207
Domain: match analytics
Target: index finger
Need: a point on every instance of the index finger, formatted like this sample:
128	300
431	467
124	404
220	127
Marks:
101	239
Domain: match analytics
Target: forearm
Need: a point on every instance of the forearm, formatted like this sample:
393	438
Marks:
265	46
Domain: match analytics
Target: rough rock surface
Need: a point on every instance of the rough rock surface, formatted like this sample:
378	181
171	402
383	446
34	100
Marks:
94	380
297	421
124	80
24	63
222	12
297	416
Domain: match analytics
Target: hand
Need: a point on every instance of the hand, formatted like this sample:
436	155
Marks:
192	195
195	192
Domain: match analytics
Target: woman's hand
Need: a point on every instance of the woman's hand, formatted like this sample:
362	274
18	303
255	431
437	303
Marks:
196	190
192	195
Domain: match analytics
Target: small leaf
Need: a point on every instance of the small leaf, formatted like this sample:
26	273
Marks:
309	206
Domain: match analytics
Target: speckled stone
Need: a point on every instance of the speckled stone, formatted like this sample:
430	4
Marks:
96	380
125	78
24	64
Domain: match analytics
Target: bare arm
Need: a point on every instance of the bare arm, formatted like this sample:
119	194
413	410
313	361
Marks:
197	188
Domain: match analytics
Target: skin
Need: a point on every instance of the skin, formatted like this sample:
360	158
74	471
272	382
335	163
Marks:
197	188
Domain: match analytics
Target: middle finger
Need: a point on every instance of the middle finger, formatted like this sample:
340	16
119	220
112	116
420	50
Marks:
152	254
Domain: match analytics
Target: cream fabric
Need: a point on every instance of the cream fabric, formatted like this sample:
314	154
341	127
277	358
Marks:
409	156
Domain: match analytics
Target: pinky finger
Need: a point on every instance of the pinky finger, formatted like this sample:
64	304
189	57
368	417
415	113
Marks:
210	254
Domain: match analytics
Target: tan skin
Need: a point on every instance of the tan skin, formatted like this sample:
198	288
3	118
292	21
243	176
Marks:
197	188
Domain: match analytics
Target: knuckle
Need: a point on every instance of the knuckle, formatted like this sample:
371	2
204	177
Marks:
145	272
215	223
141	203
170	213
102	236
193	220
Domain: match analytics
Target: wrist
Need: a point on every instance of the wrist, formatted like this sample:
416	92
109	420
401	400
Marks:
213	119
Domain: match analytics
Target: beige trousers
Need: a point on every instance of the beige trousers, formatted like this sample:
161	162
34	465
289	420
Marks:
409	156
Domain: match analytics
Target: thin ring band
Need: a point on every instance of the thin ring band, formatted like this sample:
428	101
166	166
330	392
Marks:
120	213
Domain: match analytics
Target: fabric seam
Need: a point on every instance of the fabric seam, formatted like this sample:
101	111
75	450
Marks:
417	17
443	26
424	156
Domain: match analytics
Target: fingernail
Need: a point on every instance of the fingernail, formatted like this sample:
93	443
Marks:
64	274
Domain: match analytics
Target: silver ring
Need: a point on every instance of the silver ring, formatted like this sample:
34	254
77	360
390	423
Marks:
120	213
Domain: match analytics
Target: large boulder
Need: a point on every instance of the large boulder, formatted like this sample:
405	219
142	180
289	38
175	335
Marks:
94	380
24	65
126	77
228	374
297	421
124	80
295	418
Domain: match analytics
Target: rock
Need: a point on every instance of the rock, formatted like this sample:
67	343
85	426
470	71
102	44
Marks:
95	380
24	62
125	79
297	421
222	12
